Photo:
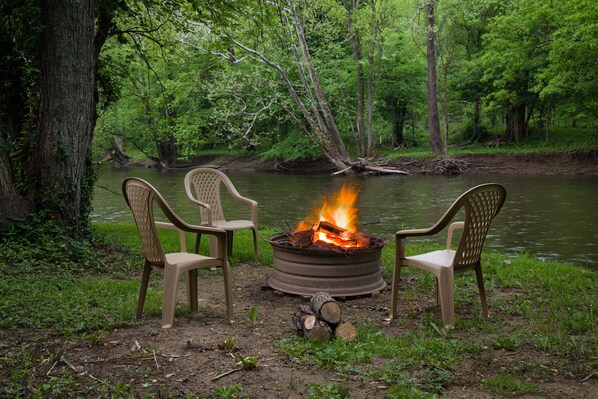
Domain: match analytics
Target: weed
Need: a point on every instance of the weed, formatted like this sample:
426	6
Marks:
228	392
247	363
253	314
227	345
507	384
328	391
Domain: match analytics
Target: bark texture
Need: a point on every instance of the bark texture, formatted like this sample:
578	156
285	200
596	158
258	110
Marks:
434	124
66	109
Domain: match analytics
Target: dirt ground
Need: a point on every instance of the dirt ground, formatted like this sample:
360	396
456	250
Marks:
186	359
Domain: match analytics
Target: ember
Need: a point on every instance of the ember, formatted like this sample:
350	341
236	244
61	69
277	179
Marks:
334	223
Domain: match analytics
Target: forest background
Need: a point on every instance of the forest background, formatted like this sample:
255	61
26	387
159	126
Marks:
349	81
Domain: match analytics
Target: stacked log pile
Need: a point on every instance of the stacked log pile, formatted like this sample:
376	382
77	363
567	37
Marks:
321	320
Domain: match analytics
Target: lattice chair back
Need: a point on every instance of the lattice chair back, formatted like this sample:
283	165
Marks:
206	184
140	197
481	204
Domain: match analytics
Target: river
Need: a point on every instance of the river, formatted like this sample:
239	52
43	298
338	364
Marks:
550	217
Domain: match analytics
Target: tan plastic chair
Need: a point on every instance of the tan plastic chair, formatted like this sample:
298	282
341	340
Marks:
481	204
202	186
140	197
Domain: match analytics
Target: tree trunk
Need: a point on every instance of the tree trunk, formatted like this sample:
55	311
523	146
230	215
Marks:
434	124
519	122
66	110
353	32
12	205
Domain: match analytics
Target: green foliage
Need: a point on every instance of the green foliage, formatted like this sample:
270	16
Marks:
294	147
253	314
328	391
228	392
509	385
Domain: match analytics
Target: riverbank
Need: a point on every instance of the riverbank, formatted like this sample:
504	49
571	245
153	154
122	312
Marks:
557	163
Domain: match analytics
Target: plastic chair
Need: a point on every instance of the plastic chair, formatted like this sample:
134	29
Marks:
140	197
202	186
481	204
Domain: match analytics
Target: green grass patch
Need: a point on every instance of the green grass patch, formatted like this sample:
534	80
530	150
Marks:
560	139
509	385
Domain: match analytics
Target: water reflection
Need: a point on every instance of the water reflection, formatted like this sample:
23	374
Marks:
552	217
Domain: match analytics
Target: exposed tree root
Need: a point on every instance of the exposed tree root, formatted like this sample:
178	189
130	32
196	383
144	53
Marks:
444	166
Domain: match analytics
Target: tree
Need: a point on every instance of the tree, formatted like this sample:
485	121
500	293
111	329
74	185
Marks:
59	140
49	61
436	144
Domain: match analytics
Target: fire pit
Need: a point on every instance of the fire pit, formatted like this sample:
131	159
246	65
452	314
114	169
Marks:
327	253
305	271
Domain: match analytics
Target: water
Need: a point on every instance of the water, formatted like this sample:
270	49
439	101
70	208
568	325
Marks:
551	217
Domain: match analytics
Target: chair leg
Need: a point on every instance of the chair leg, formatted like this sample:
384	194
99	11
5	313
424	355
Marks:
147	270
446	294
254	231
228	293
396	276
192	289
197	242
229	241
170	286
480	278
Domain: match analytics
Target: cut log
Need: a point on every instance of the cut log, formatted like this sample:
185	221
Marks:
309	325
326	307
320	332
345	331
302	238
304	318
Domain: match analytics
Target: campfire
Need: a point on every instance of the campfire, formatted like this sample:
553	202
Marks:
327	252
334	224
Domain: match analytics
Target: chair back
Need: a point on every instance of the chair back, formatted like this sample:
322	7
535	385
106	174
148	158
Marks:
481	204
206	184
140	197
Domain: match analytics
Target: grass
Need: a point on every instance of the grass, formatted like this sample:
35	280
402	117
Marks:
561	139
549	309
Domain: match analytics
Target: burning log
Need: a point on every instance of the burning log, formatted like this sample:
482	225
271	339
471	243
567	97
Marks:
330	228
302	238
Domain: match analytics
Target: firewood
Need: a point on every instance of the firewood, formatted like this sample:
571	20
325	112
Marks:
309	325
330	228
345	331
326	307
321	331
302	238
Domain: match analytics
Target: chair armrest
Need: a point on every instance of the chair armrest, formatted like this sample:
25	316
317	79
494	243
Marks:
243	200
172	227
413	233
180	224
207	207
451	229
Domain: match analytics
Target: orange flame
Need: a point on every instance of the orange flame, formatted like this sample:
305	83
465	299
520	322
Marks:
339	211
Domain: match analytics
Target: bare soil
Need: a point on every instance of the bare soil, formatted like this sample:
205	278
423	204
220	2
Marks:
186	359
